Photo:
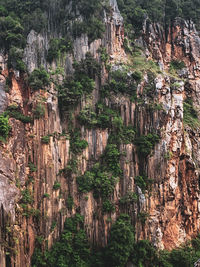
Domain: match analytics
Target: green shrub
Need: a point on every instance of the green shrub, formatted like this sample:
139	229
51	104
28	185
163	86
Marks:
73	88
15	112
71	91
144	254
93	27
4	126
104	184
129	198
32	167
39	111
45	139
101	182
122	82
53	226
143	182
111	159
56	185
26	197
87	117
145	143
15	57
77	145
177	65
58	46
71	250
46	195
39	79
86	181
190	116
70	202
107	206
11	32
70	168
142	217
120	243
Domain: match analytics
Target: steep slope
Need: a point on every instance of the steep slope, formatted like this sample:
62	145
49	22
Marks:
140	125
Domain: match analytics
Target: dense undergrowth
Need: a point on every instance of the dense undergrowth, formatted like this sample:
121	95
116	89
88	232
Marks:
73	249
135	11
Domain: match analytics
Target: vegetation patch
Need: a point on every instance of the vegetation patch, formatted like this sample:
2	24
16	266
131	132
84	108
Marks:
14	112
39	79
190	116
57	47
4	127
146	143
39	111
45	139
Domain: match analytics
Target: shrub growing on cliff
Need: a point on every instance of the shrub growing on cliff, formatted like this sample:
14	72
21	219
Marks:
45	139
39	79
39	111
4	127
143	182
14	112
121	242
56	47
71	250
77	145
15	57
145	143
190	116
121	82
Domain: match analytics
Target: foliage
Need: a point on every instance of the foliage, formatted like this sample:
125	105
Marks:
26	197
58	46
111	159
39	111
177	65
71	250
121	82
120	243
14	112
145	143
32	167
70	202
142	217
105	117
101	182
45	139
70	168
86	181
144	254
15	57
39	79
103	55
88	66
108	206
92	23
190	116
73	88
56	185
143	182
88	117
77	145
135	12
11	32
4	126
46	195
53	226
129	198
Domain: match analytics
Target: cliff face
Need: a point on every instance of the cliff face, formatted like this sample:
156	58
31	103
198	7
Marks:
171	209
